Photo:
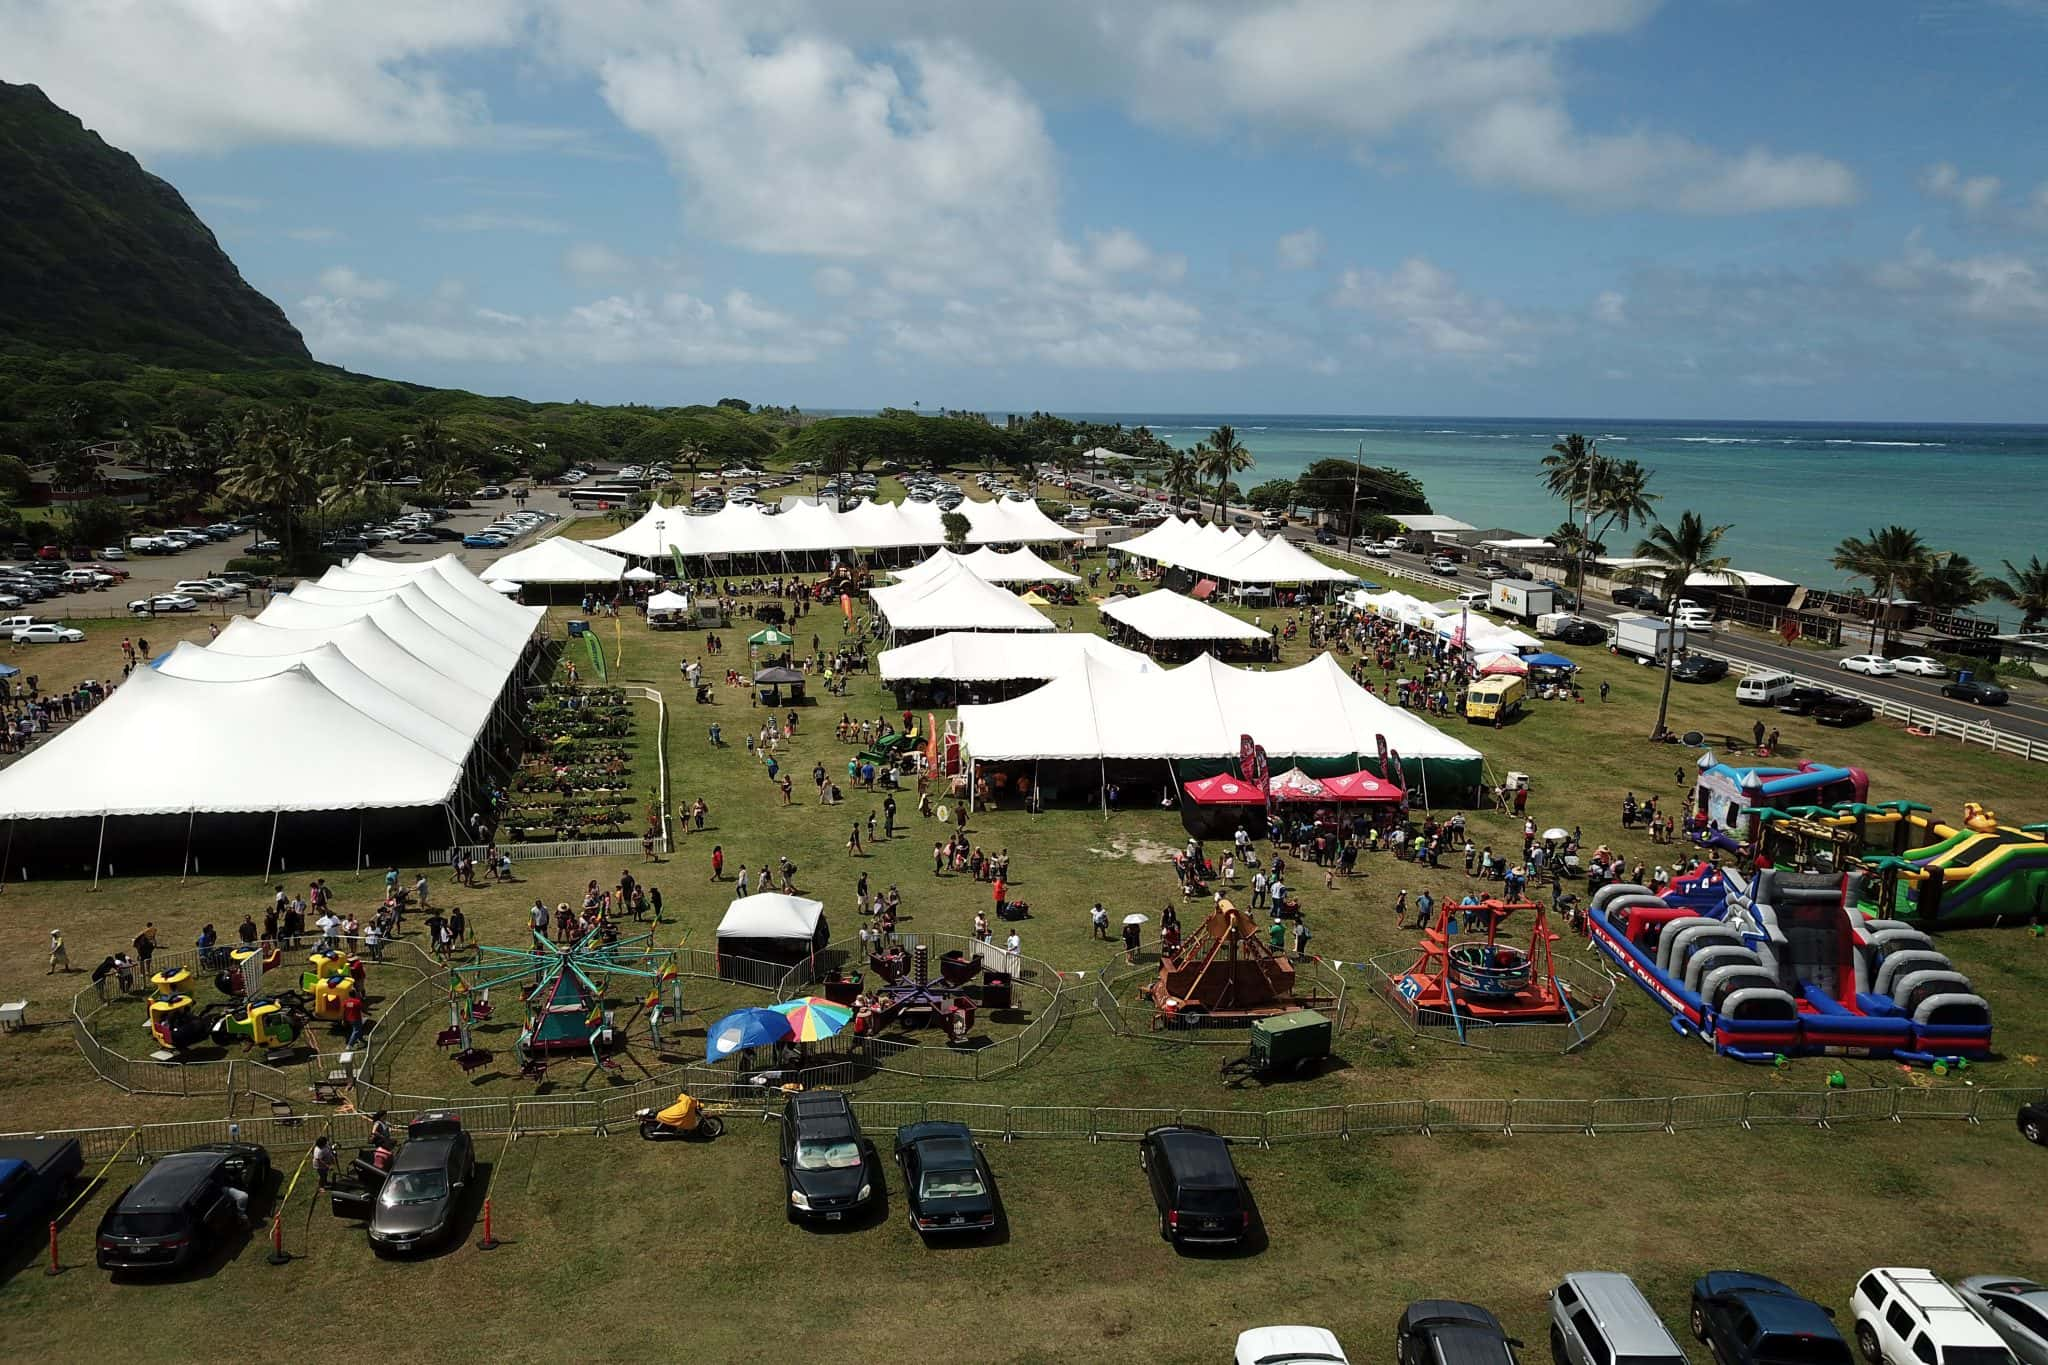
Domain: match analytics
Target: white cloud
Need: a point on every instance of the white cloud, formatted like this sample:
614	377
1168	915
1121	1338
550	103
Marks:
343	283
1974	193
749	314
1301	250
833	281
594	261
1611	307
204	75
485	220
1991	288
1431	313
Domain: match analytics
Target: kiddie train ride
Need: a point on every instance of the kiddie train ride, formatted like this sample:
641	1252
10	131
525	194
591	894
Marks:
1786	965
1485	980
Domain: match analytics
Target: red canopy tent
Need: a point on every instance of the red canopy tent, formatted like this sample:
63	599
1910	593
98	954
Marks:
1203	590
1223	790
1296	785
1361	786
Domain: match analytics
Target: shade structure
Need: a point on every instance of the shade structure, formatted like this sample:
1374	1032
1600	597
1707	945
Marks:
1229	554
1361	786
768	635
772	926
462	699
779	677
1223	790
668	601
1163	615
1545	659
743	529
988	656
953	598
559	559
506	587
1295	785
282	742
637	575
743	1029
813	1018
1502	665
1313	715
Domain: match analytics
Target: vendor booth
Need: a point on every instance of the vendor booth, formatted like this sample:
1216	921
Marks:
771	928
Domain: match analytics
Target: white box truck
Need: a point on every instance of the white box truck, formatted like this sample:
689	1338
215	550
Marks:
1521	598
1548	624
1647	637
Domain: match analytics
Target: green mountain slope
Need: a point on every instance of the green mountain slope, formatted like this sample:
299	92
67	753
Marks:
97	254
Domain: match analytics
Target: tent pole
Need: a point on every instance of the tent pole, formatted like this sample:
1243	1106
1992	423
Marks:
275	816
6	857
1422	767
100	852
359	843
186	870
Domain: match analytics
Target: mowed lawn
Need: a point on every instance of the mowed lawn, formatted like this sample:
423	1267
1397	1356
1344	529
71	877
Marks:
616	1242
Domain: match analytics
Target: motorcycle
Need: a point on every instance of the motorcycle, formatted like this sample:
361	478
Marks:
685	1119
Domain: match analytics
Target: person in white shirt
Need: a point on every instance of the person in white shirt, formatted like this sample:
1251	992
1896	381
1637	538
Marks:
1013	945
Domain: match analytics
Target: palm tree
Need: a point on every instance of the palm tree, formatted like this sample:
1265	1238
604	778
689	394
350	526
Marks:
1621	496
1181	474
1886	559
1950	582
1674	555
347	481
1223	456
1568	472
690	454
276	468
2026	588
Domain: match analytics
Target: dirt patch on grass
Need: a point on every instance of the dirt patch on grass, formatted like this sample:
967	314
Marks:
1145	852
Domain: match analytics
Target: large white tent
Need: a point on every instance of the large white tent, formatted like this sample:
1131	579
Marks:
953	598
457	702
975	656
558	559
1200	711
738	528
990	565
1163	615
1228	554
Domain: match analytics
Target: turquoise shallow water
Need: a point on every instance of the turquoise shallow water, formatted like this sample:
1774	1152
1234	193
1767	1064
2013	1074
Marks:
1789	491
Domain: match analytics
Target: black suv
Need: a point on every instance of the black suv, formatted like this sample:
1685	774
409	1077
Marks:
182	1205
1201	1197
1802	700
830	1170
1447	1332
1642	599
1579	631
1748	1319
1982	693
1843	711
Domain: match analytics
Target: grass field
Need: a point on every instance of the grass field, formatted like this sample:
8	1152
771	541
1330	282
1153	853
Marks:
1355	1228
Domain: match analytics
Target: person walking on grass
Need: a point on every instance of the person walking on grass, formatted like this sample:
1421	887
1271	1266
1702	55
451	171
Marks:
853	848
324	1159
717	861
145	945
1099	919
60	961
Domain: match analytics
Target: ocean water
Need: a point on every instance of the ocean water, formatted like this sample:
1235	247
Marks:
1787	491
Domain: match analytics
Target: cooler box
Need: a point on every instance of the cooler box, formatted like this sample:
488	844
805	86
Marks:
1290	1039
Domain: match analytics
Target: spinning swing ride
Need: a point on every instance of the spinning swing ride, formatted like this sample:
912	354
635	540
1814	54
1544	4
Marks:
565	988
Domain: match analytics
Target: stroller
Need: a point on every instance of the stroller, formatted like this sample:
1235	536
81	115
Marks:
1192	881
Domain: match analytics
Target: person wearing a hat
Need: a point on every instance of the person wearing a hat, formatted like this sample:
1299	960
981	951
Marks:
59	960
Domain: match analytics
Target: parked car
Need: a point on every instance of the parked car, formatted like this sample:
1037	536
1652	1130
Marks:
1870	665
1472	599
1981	693
1843	711
1906	1314
2033	1122
484	540
2017	1310
1325	536
1699	668
1200	1196
1440	564
1801	700
1641	599
946	1181
1378	549
199	589
162	602
1598	1317
1581	632
829	1169
182	1207
415	1204
113	552
1493	568
49	633
1289	1346
1750	1319
1447	1332
1920	666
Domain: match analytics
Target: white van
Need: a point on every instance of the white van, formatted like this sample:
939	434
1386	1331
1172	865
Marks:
1764	689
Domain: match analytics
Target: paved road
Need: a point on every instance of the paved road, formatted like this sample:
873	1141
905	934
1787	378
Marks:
2027	717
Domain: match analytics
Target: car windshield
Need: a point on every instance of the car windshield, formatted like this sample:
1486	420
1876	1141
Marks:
414	1187
1976	1355
966	1184
832	1154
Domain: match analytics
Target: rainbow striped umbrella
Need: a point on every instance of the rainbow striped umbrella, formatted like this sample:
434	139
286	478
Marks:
813	1018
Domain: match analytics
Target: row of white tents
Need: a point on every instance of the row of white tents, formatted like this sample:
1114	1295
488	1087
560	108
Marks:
370	690
561	561
1228	554
746	529
1481	634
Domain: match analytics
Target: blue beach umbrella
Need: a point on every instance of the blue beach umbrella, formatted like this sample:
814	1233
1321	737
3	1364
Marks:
744	1029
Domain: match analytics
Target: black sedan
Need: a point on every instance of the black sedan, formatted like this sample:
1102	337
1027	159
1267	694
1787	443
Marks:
1447	1332
1980	693
1842	711
1581	632
946	1180
2033	1122
1801	700
1698	668
1642	599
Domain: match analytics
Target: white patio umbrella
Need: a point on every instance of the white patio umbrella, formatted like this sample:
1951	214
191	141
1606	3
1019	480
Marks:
1134	919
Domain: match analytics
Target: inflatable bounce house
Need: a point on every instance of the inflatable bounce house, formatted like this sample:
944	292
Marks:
1922	871
1726	795
1787	965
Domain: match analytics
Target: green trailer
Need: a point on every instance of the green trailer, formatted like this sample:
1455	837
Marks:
1291	1041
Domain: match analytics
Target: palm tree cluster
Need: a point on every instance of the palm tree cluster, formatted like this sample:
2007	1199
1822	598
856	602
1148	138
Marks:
1897	564
1614	493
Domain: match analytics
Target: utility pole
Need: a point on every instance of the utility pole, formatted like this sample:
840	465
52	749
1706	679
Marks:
1351	526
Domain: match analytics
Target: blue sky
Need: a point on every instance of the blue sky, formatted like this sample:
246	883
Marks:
1717	208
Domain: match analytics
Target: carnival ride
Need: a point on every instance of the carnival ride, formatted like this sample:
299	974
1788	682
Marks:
909	995
565	988
1482	978
1926	872
1224	973
1787	965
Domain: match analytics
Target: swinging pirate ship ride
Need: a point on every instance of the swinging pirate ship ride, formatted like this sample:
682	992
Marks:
1223	974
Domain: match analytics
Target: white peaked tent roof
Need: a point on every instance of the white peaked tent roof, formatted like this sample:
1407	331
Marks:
456	575
975	656
933	564
1163	615
642	538
954	599
1021	565
1199	711
398	621
768	915
558	559
454	701
338	674
668	601
311	604
163	744
738	528
508	629
1229	554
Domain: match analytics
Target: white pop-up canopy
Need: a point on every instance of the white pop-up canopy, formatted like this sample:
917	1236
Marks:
283	742
1200	711
953	598
1163	615
668	601
768	915
977	656
558	559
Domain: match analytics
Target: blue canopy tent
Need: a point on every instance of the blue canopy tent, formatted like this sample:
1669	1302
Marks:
1548	661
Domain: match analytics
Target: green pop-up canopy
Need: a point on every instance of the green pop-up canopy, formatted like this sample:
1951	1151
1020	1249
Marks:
770	636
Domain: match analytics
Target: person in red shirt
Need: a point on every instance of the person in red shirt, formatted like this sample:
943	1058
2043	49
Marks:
1001	887
354	1014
